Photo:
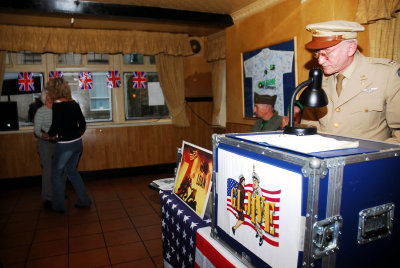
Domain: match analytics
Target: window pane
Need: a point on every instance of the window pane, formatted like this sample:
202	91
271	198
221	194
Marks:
134	58
27	101
144	103
69	59
92	110
96	58
26	57
152	59
100	99
7	58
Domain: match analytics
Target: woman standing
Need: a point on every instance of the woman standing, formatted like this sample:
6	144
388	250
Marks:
68	125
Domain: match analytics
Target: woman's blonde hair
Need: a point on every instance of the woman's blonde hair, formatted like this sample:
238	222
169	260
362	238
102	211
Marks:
58	88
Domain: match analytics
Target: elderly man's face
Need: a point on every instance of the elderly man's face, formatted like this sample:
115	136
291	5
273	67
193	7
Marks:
260	110
335	59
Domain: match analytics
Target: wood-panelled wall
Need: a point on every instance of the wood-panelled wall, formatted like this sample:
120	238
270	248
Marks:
278	23
113	147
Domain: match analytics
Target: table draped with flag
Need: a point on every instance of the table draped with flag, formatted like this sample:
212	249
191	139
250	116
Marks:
179	228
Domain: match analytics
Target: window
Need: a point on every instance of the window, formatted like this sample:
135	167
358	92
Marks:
96	58
69	59
95	103
134	58
100	99
26	57
144	102
152	59
27	101
143	96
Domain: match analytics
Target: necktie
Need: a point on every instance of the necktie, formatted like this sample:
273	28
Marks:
339	78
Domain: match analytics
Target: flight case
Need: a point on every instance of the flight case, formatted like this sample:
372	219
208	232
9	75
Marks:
321	209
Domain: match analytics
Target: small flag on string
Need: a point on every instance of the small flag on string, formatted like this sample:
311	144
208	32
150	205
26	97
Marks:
55	74
25	81
113	79
139	80
85	80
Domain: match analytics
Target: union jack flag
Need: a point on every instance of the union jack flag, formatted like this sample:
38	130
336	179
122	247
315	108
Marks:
113	79
139	79
85	80
55	74
25	81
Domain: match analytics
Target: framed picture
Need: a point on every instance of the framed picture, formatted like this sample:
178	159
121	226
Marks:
193	177
271	71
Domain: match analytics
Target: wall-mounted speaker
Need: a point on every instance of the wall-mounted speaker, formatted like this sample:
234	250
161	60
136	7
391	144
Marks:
195	45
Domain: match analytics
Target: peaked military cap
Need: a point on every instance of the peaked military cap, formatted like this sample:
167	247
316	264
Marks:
329	33
264	99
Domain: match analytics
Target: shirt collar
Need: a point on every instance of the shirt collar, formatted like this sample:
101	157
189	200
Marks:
350	69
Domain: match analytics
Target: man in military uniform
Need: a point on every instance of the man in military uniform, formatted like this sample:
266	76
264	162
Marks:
363	93
268	118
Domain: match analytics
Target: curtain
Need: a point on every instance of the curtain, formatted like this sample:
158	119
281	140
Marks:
382	17
63	40
215	53
171	74
218	85
2	67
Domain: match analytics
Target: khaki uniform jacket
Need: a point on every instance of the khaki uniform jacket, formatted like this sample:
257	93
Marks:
368	106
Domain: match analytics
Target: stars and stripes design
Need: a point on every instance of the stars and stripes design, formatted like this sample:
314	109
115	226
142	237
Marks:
113	79
85	80
139	80
55	74
25	81
270	196
179	226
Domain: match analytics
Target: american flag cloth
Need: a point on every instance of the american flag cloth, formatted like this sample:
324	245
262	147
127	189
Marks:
179	227
25	81
55	74
85	80
270	196
113	79
139	80
211	253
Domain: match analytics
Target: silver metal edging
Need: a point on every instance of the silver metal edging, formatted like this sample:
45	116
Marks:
335	186
311	218
351	159
215	143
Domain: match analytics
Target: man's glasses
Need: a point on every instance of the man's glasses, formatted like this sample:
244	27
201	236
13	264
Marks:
326	53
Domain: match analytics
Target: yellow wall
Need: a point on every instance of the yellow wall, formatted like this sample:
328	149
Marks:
279	23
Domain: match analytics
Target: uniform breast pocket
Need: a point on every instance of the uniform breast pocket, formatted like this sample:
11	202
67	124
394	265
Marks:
373	111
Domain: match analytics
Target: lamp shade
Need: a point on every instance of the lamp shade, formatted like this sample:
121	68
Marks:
314	95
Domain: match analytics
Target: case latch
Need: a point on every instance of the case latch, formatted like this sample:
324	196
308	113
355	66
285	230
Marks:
375	223
326	236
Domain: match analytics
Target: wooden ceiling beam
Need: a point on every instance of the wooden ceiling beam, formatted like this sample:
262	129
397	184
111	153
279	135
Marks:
104	10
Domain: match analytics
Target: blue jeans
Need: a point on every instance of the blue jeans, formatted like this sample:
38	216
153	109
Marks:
66	157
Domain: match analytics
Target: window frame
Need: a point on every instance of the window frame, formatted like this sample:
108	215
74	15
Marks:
116	62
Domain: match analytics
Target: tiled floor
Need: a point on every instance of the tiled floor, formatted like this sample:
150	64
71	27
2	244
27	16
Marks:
121	229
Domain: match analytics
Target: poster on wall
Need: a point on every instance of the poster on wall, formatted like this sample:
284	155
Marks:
259	206
269	71
193	177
